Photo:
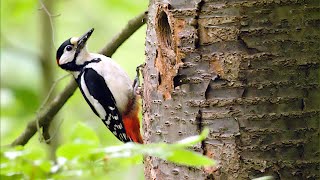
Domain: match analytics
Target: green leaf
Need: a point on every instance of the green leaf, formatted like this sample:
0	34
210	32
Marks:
83	141
189	141
118	163
12	176
131	153
190	158
172	152
44	165
35	153
82	134
12	153
71	151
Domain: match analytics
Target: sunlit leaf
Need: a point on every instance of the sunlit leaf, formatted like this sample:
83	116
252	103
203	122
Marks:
264	178
189	158
193	139
61	161
172	152
12	155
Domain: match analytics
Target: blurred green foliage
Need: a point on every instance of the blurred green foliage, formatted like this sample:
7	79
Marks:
88	149
83	157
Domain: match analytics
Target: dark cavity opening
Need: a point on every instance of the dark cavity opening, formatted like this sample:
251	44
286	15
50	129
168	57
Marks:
159	78
178	80
164	30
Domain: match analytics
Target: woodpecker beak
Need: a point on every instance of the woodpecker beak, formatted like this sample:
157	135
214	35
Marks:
83	40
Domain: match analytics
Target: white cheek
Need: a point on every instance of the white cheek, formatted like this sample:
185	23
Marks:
66	58
83	56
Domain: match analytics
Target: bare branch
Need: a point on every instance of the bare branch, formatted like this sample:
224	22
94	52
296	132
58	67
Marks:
46	135
46	115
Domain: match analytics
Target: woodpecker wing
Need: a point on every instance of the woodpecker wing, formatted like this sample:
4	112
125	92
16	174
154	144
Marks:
102	102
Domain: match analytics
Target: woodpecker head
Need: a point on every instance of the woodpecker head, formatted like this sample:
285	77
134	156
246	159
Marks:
72	54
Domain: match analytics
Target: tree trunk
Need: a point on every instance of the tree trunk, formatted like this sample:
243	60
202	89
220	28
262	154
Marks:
47	65
247	70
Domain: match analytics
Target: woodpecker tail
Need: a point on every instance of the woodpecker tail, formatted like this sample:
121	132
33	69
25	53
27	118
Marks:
130	118
132	124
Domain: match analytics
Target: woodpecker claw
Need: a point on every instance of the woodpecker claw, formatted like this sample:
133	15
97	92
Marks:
136	82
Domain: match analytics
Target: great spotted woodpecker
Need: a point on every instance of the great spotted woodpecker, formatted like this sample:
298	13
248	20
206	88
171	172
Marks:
105	86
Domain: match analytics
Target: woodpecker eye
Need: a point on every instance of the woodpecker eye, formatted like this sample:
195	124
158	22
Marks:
69	48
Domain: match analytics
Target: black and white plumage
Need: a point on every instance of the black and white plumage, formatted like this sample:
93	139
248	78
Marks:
105	86
101	101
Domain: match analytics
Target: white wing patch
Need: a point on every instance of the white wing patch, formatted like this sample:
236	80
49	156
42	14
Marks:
95	103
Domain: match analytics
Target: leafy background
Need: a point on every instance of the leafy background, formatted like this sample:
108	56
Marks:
21	81
87	148
21	78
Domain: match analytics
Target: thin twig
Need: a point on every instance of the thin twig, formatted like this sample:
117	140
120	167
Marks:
55	83
45	116
50	16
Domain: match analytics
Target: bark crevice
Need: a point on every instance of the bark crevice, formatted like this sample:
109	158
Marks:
200	129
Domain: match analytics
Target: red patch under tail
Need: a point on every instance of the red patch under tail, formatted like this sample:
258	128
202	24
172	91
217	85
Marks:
132	126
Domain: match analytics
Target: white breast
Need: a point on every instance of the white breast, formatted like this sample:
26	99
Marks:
116	78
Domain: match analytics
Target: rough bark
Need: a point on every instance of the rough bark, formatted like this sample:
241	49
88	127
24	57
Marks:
248	70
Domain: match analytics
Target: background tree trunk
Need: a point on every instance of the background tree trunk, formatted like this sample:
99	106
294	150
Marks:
249	71
47	67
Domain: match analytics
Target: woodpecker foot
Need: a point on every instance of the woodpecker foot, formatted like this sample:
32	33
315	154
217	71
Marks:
136	83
